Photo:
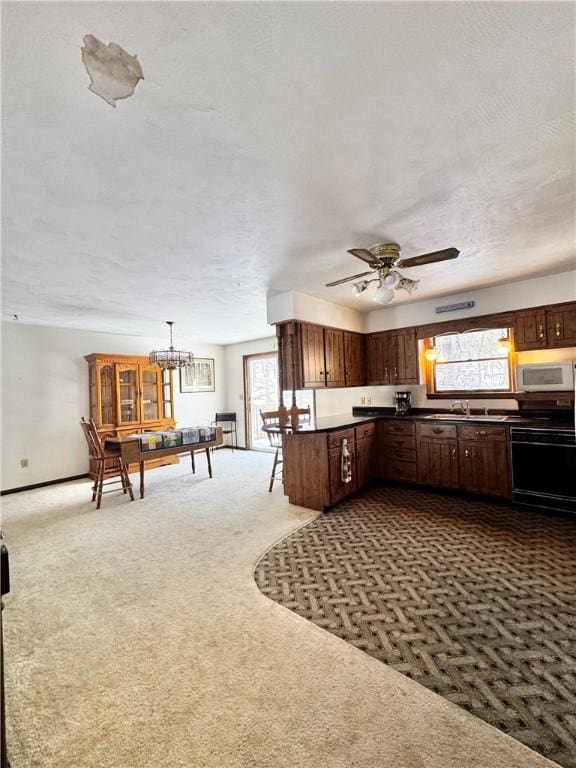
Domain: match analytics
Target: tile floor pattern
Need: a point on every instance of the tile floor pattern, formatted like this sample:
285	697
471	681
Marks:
474	600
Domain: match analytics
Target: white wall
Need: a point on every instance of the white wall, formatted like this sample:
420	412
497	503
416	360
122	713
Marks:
234	366
293	305
45	392
552	289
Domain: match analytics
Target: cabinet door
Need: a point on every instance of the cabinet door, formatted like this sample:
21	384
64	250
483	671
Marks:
104	402
150	393
530	330
339	489
393	357
484	468
334	356
312	339
561	325
377	359
127	393
407	355
438	463
365	460
354	359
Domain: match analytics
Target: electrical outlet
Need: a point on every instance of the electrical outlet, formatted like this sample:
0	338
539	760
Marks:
23	463
362	401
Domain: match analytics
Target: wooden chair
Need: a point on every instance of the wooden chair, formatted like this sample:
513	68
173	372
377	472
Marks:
272	419
108	464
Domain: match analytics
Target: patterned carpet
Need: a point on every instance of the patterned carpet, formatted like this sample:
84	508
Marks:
474	600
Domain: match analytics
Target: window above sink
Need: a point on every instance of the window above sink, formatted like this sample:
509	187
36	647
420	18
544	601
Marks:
474	362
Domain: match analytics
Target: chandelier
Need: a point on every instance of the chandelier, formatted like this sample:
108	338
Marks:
170	359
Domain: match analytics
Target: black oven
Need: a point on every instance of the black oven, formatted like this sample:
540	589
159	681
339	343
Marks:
544	468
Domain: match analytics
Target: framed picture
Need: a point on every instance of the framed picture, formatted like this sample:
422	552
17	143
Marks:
198	376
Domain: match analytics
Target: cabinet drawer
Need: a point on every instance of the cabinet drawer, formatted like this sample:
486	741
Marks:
437	431
335	438
390	427
389	442
366	430
482	432
398	454
400	470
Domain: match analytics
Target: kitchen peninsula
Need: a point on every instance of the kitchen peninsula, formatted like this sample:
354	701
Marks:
466	453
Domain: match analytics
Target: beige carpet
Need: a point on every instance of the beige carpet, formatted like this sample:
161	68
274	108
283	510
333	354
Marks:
136	637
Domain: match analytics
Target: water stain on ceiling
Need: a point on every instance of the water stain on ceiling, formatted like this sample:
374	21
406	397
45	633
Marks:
114	74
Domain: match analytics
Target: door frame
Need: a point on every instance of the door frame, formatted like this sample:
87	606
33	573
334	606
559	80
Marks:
247	419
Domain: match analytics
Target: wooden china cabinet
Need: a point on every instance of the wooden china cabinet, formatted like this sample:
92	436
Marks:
129	396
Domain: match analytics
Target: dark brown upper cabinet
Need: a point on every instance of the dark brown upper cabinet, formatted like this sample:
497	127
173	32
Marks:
354	359
530	330
561	326
392	357
334	358
377	366
543	328
312	356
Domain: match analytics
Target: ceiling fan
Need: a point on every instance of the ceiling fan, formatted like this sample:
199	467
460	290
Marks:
384	260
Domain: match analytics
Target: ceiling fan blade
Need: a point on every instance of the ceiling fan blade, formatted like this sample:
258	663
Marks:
364	254
347	279
429	258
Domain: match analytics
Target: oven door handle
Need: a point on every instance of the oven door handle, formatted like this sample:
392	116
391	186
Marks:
553	445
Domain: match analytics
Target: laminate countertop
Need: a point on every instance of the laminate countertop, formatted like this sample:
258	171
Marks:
347	420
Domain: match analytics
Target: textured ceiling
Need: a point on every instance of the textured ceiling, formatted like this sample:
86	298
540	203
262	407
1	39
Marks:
265	140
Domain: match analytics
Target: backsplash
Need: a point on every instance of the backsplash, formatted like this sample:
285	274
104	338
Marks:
330	402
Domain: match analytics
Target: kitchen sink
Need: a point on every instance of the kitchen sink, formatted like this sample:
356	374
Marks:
472	417
450	416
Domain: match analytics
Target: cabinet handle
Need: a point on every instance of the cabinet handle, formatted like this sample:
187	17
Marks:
327	374
395	372
481	433
453	452
557	326
467	453
321	373
540	331
437	430
386	372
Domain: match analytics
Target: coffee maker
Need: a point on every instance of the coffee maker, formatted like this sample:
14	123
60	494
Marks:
402	403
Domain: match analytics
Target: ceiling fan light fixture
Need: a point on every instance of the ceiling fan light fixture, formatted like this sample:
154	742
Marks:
360	287
408	285
383	295
392	279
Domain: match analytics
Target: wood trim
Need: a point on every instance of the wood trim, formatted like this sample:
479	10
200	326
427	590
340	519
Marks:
466	323
44	484
101	356
245	359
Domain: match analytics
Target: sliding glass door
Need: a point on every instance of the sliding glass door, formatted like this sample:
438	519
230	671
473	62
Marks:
261	388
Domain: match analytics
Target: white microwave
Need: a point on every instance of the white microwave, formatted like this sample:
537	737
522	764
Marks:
545	377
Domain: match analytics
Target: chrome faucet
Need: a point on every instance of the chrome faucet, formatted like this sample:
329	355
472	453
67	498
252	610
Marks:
459	404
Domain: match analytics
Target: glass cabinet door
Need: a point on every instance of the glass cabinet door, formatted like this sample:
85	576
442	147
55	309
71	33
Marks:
105	395
150	392
127	393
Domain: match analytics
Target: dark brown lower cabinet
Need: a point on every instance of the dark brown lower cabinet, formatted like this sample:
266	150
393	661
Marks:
365	460
484	468
339	489
438	463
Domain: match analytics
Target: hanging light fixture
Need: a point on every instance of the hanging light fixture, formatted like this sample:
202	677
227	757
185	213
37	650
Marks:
504	345
170	359
383	295
360	287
